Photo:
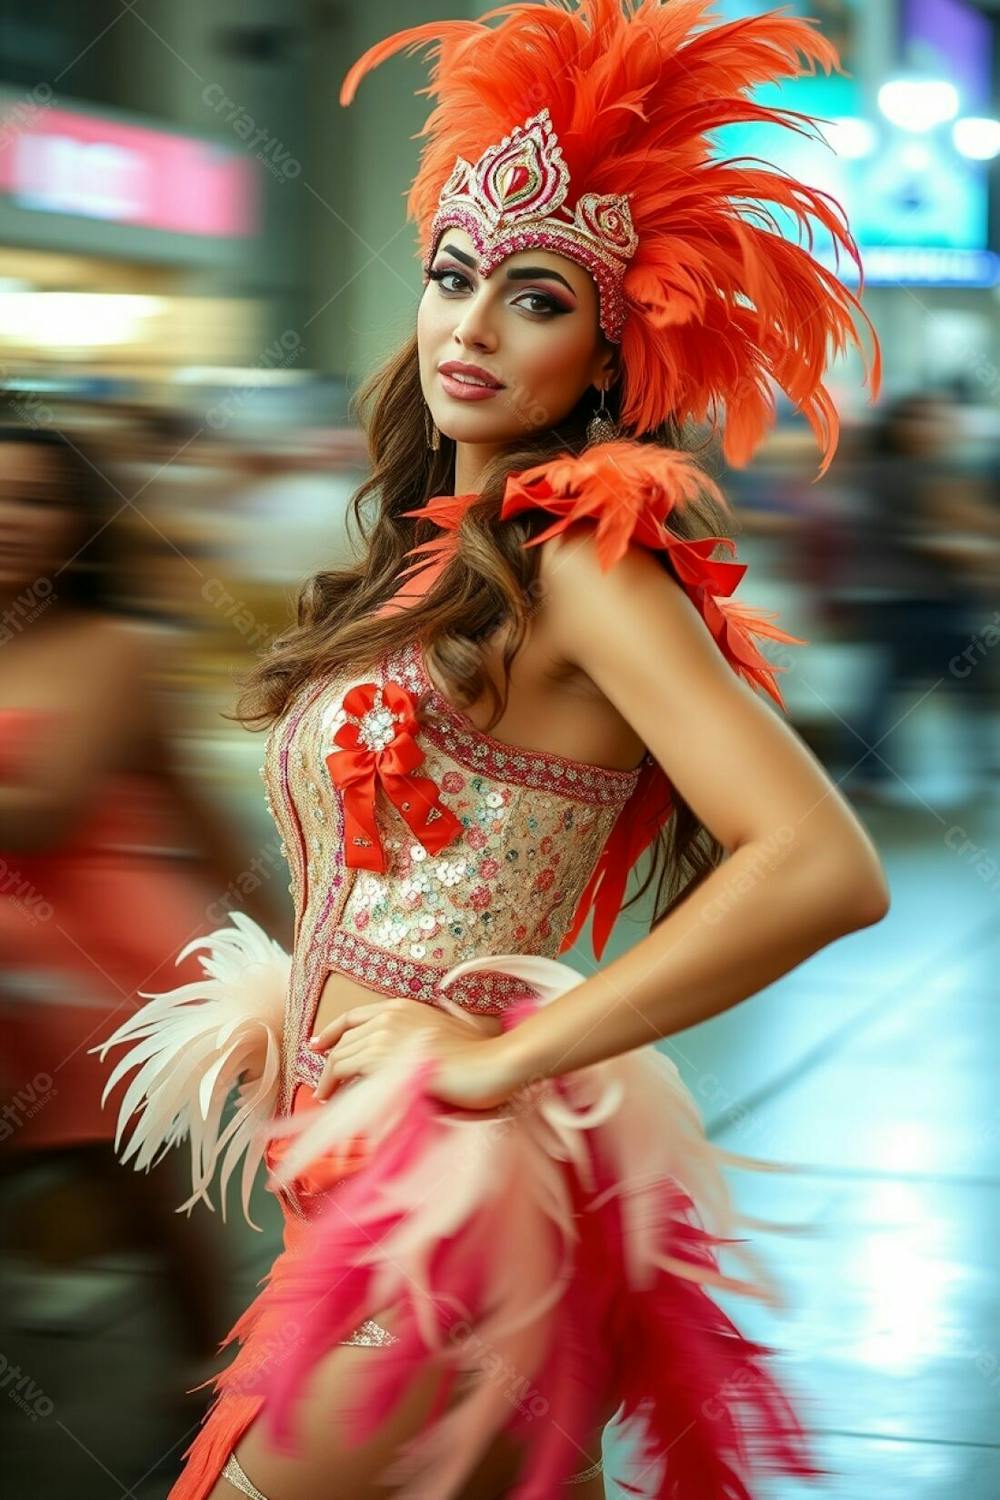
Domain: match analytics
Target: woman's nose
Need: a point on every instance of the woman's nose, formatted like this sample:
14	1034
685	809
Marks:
475	327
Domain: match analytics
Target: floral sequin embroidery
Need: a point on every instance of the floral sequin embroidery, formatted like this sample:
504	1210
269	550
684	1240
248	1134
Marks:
531	826
470	898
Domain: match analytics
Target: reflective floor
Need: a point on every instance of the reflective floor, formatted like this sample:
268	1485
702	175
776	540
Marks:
875	1067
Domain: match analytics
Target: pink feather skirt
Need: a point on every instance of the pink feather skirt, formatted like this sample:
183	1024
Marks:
546	1256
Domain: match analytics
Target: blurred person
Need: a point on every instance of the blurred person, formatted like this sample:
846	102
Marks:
290	509
179	480
919	563
501	1208
94	906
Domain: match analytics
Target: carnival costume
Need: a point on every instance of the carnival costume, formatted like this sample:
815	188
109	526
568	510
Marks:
570	1237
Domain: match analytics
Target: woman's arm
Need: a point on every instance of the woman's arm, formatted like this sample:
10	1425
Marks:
800	872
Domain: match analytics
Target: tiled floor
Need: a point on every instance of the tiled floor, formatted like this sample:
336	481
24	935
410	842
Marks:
874	1068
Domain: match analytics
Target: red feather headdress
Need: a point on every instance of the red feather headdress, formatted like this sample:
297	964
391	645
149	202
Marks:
717	304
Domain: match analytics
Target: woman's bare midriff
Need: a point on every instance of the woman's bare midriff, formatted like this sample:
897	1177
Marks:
341	992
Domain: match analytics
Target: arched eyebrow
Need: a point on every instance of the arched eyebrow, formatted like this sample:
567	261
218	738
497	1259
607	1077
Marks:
519	273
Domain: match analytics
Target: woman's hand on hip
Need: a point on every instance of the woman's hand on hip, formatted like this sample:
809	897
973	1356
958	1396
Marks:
470	1073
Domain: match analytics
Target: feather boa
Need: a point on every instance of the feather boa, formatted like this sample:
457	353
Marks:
190	1047
546	1255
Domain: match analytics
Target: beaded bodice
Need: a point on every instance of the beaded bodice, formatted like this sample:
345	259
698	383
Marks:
527	829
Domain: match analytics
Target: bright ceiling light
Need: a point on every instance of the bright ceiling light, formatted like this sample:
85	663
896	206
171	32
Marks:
918	104
977	137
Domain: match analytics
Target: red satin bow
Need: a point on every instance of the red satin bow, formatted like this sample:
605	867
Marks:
378	747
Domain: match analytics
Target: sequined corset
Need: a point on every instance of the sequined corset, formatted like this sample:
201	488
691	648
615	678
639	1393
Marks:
532	825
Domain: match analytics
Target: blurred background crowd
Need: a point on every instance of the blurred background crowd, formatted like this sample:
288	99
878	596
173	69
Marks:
201	257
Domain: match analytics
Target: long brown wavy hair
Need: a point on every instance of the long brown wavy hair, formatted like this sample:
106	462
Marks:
492	581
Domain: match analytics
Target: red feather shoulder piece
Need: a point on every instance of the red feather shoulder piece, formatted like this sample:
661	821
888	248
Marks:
629	490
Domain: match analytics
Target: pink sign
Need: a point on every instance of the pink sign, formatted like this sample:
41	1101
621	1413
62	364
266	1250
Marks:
69	163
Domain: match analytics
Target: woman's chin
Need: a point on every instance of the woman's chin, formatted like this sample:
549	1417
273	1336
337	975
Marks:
471	429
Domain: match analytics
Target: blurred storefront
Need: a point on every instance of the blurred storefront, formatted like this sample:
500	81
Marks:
111	232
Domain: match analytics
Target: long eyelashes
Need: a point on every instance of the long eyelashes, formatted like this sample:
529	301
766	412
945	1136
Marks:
548	305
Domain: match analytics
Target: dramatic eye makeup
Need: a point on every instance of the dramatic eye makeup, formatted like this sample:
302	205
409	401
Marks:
550	304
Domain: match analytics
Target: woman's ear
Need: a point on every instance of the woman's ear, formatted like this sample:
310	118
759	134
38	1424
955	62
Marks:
609	369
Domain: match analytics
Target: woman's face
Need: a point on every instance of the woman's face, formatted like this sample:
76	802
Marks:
532	325
37	527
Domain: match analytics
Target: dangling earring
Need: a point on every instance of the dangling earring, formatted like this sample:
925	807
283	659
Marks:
601	427
430	427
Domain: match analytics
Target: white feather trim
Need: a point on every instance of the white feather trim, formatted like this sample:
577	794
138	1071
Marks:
191	1045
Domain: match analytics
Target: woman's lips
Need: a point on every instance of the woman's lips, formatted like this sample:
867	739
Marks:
463	391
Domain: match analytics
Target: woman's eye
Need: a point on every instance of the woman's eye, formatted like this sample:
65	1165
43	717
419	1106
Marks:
442	276
545	304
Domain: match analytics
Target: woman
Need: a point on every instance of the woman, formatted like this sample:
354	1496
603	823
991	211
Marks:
92	909
501	1208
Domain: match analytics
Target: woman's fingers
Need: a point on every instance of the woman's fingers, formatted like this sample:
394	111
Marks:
357	1014
365	1037
338	1067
